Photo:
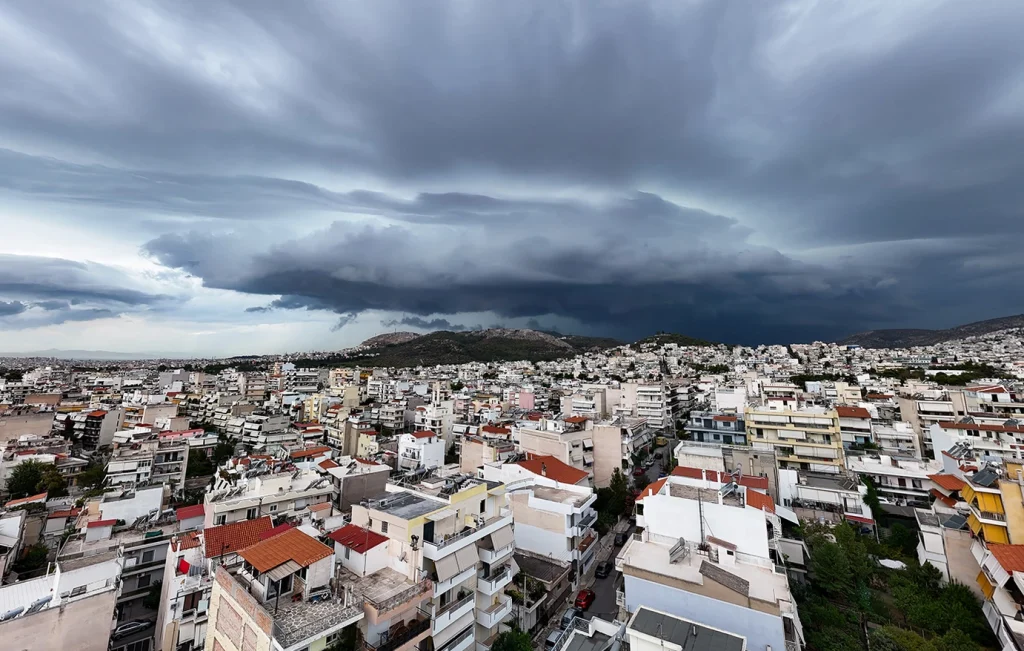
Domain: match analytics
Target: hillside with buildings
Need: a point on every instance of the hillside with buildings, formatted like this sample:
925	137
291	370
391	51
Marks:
909	338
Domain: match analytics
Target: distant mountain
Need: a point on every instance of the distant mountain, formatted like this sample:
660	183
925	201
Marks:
493	345
907	338
663	338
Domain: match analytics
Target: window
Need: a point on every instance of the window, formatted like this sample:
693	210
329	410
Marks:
273	508
483	505
147	557
250	514
332	638
383	527
347	551
219	519
143	581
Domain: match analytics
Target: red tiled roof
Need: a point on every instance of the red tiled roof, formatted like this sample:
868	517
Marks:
235	537
186	512
845	411
101	523
64	514
723	418
357	538
1010	557
99	413
368	462
992	388
949	482
424	434
187	540
945	499
760	501
984	427
652	489
493	429
878	396
309	452
327	464
322	506
576	419
278	530
292	545
41	497
553	469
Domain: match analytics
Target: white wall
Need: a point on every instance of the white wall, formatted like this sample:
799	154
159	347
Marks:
145	500
680	518
541	541
761	629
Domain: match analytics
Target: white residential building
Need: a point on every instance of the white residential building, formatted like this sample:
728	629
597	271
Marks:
421	450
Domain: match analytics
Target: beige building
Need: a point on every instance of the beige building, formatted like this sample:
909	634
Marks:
923	406
803	438
578	442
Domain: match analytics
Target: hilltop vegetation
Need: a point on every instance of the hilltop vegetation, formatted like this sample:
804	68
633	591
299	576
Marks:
663	338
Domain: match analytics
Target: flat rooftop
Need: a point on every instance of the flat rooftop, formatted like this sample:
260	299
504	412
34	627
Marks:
579	642
406	505
688	635
763	582
829	482
704	494
296	621
560	495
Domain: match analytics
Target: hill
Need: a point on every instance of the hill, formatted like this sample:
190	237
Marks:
663	338
494	345
907	338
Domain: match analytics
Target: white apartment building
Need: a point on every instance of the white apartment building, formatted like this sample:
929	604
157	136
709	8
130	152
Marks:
928	407
649	401
148	458
1000	567
993	437
896	437
421	450
900	480
708	553
578	442
265	430
279	494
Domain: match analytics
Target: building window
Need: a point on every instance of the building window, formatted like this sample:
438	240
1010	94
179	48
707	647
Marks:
347	551
273	508
483	505
383	527
250	514
147	557
143	581
219	519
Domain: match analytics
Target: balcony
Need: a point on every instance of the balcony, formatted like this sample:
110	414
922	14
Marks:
493	556
398	600
445	615
438	549
405	633
497	581
441	587
460	642
588	520
492	616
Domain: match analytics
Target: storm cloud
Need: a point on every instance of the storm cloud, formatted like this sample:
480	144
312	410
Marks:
737	171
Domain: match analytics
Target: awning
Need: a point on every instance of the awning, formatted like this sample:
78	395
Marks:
441	515
283	570
588	458
467	557
786	513
446	567
502	537
588	444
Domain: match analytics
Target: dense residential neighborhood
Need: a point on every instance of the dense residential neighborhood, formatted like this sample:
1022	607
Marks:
626	494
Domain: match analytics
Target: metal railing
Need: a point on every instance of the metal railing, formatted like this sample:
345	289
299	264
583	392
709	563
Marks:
414	628
495	577
588	519
385	604
458	639
465	533
454	605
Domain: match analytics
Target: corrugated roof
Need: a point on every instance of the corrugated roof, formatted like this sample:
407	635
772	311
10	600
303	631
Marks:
101	523
235	537
292	545
357	538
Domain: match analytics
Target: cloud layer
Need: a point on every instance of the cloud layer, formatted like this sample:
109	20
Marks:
745	172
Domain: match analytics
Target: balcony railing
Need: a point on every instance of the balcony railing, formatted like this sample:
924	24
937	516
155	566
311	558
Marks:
458	639
413	629
387	603
588	520
470	531
490	584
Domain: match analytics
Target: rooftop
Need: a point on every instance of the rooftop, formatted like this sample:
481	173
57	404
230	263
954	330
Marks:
561	495
405	505
357	538
235	536
704	494
291	545
553	469
828	482
688	635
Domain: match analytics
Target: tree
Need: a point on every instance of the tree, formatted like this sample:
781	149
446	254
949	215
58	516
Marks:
26	478
199	464
53	482
152	598
513	640
831	569
33	558
903	540
225	450
92	476
871	498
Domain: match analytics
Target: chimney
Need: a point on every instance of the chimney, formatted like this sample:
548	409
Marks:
543	470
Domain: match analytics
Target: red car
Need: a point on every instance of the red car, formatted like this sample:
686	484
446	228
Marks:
584	599
638	471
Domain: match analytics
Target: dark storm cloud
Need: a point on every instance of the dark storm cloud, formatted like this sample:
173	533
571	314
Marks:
753	169
425	324
10	308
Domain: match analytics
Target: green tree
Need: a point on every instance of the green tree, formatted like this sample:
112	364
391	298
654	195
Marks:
347	640
831	569
92	476
513	640
225	450
152	598
902	539
199	464
871	498
33	558
26	478
53	482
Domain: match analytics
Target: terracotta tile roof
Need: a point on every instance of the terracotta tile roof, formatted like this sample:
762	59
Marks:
424	434
949	482
992	388
845	411
309	452
945	499
760	501
99	413
553	469
878	396
984	427
292	545
187	540
750	481
64	514
327	464
101	523
493	429
723	418
41	497
1010	557
186	512
276	531
652	489
322	506
357	538
576	419
235	537
368	462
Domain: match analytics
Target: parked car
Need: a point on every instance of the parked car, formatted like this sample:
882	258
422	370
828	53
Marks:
604	568
584	599
660	441
129	628
570	614
553	639
620	539
648	462
638	471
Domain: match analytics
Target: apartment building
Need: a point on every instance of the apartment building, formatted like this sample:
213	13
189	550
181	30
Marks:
458	531
709	553
712	427
854	426
650	402
252	492
578	442
904	481
142	458
1003	600
803	438
553	513
991	437
421	450
95	428
355	480
593	634
591	403
476	451
264	430
896	437
923	407
653	630
71	607
739	459
997	401
996	507
828	497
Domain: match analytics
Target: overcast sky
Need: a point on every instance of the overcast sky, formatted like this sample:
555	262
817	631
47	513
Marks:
219	178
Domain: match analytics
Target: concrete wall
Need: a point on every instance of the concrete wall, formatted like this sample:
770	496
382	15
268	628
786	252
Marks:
236	621
761	629
82	625
680	518
607	453
13	427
